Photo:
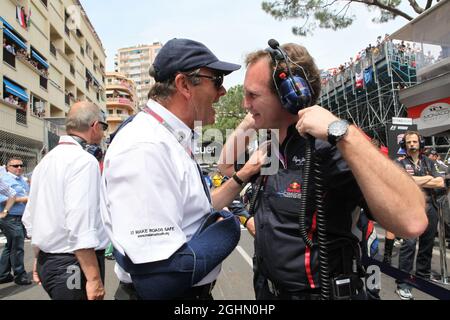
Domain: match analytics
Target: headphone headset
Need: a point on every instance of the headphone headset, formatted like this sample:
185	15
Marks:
295	92
93	149
421	140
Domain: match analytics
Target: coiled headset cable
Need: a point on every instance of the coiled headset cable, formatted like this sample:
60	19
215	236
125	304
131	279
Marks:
310	160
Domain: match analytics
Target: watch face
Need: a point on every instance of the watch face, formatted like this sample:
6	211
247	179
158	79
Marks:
338	128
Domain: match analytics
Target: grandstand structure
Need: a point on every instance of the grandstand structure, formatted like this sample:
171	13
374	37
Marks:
367	92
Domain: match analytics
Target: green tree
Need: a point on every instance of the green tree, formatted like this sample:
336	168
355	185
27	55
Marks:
229	110
333	14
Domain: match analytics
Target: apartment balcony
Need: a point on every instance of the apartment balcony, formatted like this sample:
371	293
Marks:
33	128
120	87
124	102
117	118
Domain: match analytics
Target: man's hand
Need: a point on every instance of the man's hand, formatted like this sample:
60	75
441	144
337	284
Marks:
95	290
315	122
248	122
36	278
89	265
256	161
251	226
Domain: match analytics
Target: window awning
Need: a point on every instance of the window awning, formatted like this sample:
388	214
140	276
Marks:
15	90
6	24
14	38
39	58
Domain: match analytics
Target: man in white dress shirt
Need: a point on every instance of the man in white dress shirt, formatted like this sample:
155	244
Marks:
154	199
62	215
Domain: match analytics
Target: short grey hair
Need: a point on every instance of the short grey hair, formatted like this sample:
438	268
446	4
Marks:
81	116
162	91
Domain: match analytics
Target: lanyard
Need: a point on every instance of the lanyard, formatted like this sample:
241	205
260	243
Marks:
179	139
170	129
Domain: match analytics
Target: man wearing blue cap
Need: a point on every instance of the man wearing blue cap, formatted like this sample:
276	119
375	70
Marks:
155	204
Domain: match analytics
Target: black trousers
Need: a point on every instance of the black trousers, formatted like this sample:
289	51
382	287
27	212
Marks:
62	277
425	253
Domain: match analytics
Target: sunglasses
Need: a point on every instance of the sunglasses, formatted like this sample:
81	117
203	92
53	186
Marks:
217	80
103	124
16	165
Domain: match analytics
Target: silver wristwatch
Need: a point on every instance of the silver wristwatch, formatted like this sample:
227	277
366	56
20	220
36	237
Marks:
337	131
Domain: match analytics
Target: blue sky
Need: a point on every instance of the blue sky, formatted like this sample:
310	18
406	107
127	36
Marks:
231	29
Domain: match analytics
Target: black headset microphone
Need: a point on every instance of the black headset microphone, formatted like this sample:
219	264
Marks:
413	149
295	92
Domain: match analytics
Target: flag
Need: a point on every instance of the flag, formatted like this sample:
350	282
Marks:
21	17
28	18
359	81
368	75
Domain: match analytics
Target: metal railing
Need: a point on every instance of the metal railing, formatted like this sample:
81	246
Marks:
121	101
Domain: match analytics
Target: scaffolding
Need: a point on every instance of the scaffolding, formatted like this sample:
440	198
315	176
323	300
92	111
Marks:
371	103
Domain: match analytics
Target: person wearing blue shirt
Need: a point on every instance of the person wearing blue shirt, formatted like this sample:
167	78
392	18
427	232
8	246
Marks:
13	253
10	194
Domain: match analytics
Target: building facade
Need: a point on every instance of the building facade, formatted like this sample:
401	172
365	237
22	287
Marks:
134	63
51	58
121	99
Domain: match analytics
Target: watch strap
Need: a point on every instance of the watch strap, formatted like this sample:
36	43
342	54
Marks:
238	180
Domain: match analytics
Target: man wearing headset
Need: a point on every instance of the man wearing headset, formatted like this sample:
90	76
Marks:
155	203
63	215
285	268
425	175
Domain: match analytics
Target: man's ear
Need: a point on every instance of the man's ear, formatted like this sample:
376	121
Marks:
183	85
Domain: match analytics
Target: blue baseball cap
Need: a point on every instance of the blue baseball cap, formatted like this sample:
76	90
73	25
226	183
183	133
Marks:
180	55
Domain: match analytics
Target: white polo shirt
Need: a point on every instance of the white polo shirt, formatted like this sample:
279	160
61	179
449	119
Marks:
63	214
152	196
